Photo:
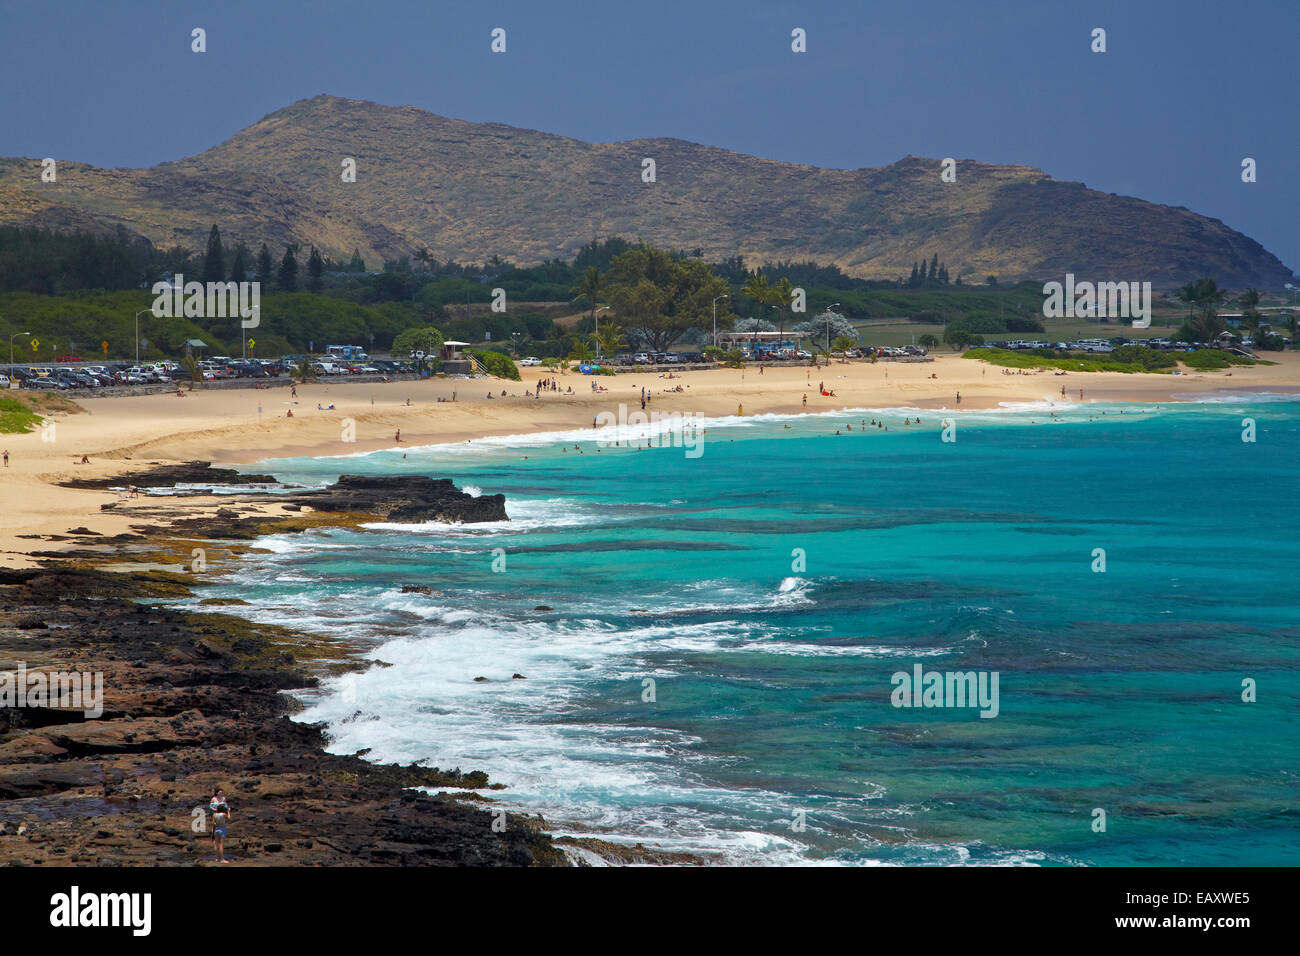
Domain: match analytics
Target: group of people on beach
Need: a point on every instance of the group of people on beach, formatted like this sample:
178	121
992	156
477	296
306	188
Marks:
547	385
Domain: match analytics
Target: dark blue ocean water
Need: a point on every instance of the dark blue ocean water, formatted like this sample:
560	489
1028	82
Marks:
1119	690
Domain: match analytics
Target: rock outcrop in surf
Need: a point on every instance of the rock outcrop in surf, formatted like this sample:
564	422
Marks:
405	498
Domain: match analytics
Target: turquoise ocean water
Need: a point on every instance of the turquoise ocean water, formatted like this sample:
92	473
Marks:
1118	690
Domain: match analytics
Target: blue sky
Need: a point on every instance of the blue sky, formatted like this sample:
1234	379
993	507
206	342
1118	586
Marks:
1186	89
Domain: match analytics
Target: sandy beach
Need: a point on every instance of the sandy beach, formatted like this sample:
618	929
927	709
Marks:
240	426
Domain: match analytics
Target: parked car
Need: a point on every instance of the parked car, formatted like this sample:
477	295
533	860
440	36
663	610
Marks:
530	361
4	381
45	382
641	358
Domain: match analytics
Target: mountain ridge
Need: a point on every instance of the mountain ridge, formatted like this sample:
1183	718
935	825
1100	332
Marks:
469	190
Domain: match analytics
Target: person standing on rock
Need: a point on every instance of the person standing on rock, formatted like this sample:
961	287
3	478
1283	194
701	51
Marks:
220	820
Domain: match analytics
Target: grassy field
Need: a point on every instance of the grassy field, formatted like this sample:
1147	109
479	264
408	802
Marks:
16	418
893	332
1159	363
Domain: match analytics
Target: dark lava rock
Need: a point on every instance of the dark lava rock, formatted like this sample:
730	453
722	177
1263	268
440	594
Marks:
543	607
168	476
518	677
118	790
412	498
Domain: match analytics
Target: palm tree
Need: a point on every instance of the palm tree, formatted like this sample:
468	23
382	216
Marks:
1207	326
582	351
610	338
191	367
304	371
1187	294
842	344
758	290
783	295
1250	315
588	287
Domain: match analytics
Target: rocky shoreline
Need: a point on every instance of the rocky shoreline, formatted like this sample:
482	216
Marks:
195	700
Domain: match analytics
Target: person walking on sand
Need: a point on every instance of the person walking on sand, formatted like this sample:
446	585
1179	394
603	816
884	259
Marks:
6	457
398	436
959	398
293	391
805	401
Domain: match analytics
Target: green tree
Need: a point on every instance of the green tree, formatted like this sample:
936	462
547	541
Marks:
315	271
1207	326
264	266
609	339
659	295
588	287
427	340
214	263
356	263
304	371
960	338
288	277
842	343
239	268
758	290
191	367
782	294
928	341
1249	303
582	352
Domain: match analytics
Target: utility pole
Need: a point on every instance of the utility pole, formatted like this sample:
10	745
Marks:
137	332
715	319
828	328
595	317
11	355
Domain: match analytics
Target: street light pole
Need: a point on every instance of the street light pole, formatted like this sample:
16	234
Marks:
715	319
11	355
596	332
137	332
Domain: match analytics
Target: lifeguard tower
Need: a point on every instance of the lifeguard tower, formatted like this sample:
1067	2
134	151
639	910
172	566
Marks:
454	361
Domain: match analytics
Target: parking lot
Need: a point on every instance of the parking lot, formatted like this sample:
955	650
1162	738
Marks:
121	377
